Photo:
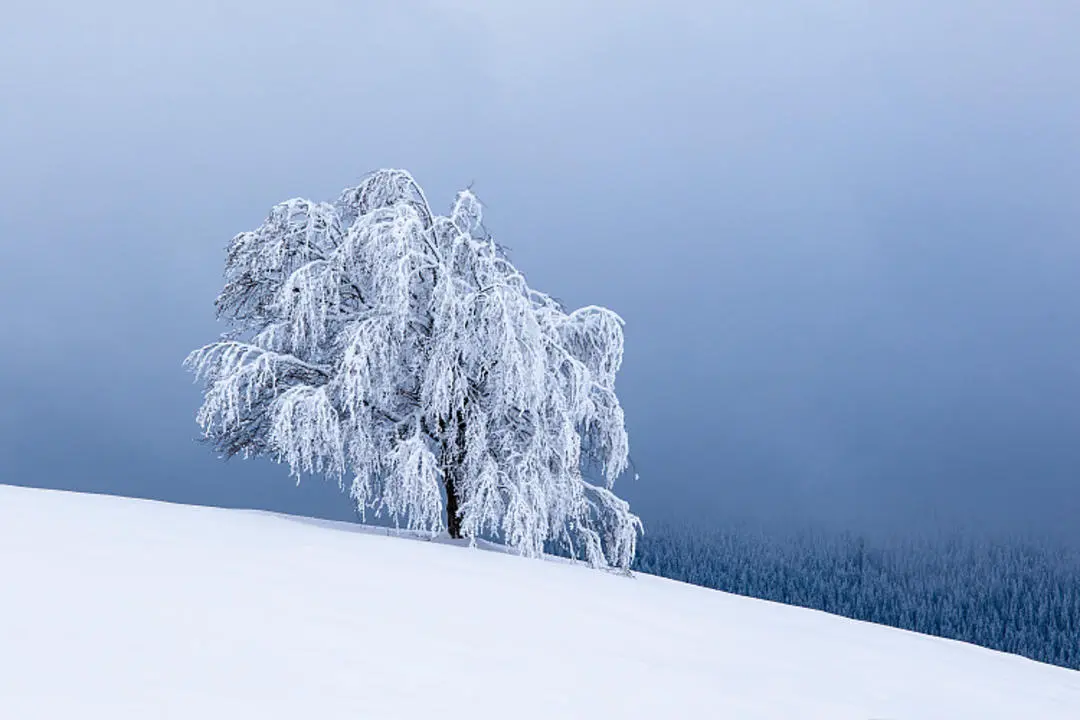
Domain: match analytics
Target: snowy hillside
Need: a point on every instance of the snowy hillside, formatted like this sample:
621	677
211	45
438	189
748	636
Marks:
116	608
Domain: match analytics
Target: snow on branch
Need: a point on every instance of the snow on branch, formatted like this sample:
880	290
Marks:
372	337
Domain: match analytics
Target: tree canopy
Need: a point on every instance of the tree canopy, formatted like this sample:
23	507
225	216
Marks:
379	343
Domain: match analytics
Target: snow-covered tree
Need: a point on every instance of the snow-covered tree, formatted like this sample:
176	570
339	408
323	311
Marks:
374	339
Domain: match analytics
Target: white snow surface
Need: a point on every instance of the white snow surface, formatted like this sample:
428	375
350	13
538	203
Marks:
119	608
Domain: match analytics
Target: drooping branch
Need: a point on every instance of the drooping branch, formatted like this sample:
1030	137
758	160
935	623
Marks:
375	338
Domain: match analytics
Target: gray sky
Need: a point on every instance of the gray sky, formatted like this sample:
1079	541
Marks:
843	235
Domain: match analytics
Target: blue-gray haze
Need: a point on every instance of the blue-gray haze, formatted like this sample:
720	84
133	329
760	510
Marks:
843	235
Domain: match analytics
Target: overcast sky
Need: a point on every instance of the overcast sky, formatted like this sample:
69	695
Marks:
843	234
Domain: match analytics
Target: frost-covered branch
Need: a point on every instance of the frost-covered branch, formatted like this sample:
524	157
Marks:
377	339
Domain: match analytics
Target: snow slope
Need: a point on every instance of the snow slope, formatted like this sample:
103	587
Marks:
117	608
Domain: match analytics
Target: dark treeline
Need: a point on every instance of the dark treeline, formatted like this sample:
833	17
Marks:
1014	595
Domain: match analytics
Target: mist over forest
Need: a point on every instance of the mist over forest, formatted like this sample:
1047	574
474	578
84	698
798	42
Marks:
843	240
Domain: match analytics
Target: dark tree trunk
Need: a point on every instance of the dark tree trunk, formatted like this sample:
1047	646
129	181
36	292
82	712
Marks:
453	459
453	522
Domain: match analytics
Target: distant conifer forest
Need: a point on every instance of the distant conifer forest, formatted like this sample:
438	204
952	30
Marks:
1016	595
